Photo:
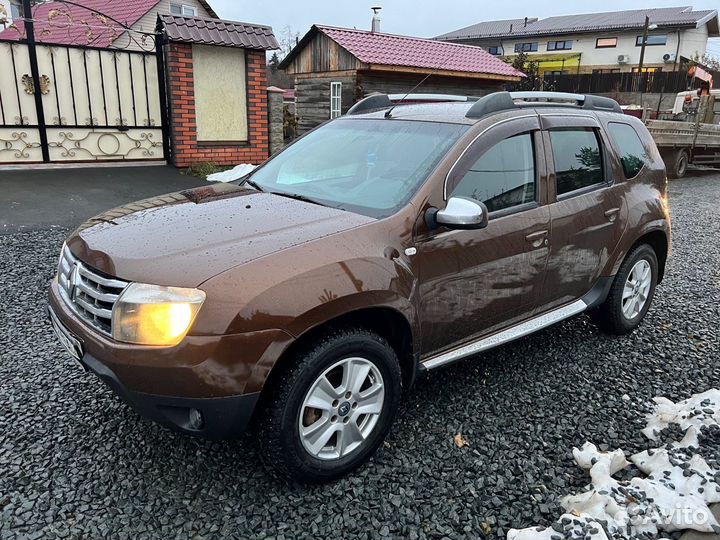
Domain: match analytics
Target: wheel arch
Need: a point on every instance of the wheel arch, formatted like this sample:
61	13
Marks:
658	239
388	322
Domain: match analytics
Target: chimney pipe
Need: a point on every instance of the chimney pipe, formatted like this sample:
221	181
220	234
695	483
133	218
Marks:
526	22
375	27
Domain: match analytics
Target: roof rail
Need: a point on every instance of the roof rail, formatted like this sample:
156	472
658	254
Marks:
371	103
441	98
383	101
504	101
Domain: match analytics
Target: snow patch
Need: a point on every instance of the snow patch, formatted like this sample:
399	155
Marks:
232	174
674	495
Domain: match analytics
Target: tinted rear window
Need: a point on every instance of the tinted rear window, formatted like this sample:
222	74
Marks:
633	153
578	160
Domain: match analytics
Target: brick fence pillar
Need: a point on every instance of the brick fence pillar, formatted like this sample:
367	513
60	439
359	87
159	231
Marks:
186	149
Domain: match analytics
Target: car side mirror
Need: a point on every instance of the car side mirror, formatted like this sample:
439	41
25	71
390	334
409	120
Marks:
460	213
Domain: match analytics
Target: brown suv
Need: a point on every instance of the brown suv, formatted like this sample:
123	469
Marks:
396	239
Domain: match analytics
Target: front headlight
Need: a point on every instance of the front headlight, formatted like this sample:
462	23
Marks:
154	315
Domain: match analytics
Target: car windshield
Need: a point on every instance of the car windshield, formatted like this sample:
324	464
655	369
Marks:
368	166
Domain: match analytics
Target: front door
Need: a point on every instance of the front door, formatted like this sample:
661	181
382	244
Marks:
473	282
587	208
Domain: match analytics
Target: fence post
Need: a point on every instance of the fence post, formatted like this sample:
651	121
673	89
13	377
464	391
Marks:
35	73
163	79
276	119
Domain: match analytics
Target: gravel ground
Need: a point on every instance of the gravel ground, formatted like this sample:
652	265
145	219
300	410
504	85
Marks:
76	462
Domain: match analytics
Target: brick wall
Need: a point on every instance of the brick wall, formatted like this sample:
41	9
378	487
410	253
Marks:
181	98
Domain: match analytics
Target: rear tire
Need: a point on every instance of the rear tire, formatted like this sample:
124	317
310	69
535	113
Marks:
631	293
676	163
332	406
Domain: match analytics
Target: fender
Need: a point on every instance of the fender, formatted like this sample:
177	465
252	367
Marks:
660	225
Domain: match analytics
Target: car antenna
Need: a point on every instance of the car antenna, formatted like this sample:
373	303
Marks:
388	114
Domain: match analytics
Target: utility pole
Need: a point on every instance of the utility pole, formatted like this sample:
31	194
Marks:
644	42
647	27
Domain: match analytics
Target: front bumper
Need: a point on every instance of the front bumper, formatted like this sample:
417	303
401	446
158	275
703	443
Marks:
219	418
218	376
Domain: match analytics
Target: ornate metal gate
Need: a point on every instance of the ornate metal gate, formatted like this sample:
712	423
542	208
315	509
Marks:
63	102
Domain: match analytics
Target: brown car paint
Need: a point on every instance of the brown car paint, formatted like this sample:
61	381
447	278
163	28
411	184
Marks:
273	268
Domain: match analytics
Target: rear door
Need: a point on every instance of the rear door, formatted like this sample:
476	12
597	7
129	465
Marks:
475	281
587	207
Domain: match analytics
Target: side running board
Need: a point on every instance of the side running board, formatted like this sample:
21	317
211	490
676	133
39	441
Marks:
507	335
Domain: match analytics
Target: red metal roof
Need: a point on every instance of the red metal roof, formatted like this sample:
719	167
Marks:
392	50
67	24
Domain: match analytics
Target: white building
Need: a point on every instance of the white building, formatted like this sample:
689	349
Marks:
599	42
9	11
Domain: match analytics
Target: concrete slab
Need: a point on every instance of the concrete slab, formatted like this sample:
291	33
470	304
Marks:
692	535
52	198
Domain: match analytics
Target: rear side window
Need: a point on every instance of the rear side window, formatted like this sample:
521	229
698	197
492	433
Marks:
633	154
578	160
502	177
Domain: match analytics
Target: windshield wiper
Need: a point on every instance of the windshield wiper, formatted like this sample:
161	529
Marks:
253	184
297	197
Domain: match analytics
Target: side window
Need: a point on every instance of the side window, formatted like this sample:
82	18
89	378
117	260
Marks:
633	154
502	177
578	160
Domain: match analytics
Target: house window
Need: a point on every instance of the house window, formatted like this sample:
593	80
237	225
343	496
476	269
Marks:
555	73
647	70
16	9
526	47
605	70
335	99
182	9
606	43
651	40
559	45
494	50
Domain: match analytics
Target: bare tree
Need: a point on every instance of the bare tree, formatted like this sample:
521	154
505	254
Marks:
288	39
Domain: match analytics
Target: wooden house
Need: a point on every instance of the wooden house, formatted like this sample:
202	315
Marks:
335	67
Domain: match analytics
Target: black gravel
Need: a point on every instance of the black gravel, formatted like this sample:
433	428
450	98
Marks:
75	462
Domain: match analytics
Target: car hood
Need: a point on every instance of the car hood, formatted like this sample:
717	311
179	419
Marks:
185	238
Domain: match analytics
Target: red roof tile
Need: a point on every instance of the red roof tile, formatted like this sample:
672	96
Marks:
217	32
392	50
67	24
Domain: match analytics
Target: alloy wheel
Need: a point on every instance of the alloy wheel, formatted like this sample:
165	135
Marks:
637	289
341	408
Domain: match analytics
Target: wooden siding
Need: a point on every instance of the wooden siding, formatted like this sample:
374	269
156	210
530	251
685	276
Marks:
399	83
313	98
322	54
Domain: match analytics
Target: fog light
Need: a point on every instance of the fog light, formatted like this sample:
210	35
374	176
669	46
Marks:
196	419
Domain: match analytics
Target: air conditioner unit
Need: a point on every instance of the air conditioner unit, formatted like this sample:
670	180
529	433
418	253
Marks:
623	58
669	58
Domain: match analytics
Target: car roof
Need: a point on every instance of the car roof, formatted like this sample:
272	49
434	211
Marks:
449	113
466	111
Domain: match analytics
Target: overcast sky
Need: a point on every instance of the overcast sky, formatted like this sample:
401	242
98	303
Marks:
415	17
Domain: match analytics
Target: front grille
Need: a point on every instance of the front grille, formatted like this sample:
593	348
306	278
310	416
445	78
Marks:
90	295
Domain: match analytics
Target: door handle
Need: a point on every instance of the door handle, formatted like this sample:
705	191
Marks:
612	214
538	239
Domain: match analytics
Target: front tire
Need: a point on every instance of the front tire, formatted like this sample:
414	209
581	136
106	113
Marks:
631	293
332	406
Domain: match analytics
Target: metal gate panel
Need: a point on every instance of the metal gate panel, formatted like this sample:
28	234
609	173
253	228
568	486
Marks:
19	134
98	104
103	144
